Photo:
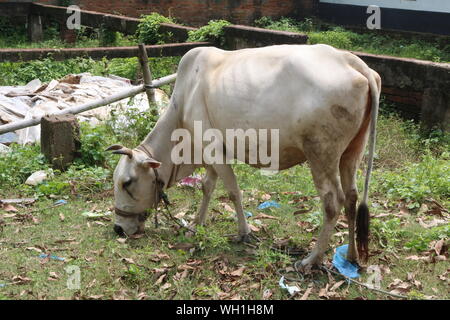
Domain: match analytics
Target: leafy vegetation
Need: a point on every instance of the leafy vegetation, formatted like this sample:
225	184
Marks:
437	50
212	32
148	30
20	73
14	35
417	181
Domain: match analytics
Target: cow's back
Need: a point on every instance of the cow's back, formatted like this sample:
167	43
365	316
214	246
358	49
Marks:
303	91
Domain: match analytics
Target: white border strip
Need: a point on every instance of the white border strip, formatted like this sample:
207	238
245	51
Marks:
417	5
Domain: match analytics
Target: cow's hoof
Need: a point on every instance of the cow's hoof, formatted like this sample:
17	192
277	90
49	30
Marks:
244	238
310	261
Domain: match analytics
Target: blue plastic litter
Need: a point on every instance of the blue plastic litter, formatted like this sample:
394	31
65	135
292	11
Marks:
44	256
2	285
269	204
248	214
60	202
344	266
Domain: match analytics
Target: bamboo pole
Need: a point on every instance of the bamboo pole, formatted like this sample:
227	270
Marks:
90	105
143	60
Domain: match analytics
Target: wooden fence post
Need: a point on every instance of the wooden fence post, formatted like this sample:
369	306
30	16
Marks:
143	60
60	139
35	30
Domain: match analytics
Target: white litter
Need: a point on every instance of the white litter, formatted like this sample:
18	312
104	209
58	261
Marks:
291	289
93	215
36	178
4	149
37	99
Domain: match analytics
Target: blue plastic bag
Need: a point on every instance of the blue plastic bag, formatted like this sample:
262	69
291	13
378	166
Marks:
268	204
44	256
344	266
60	203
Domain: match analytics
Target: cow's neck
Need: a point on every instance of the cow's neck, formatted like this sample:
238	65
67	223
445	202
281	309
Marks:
159	143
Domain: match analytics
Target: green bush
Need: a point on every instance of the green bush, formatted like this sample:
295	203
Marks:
94	141
388	233
338	38
422	240
283	24
148	29
212	32
79	179
417	181
107	37
18	165
47	69
138	126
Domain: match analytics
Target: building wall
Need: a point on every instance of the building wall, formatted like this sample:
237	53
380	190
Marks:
427	16
199	12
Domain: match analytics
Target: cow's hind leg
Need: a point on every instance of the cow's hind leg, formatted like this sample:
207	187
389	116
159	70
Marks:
228	177
208	186
327	182
348	165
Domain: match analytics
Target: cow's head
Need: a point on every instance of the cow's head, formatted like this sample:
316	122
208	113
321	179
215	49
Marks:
135	189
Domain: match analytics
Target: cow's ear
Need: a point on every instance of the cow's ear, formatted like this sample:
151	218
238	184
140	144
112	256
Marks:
150	163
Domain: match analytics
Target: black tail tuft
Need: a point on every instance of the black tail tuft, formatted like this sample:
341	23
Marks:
362	231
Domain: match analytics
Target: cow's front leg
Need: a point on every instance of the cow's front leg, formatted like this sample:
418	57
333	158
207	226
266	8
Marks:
208	186
228	177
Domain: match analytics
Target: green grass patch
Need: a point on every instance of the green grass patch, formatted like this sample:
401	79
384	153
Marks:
371	42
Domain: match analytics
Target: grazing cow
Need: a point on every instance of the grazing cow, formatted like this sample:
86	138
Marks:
323	101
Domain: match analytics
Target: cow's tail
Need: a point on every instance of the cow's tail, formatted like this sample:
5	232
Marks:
362	215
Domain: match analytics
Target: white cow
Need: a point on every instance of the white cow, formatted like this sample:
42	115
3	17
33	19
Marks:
321	99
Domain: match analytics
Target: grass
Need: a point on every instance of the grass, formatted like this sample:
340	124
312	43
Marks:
211	266
437	49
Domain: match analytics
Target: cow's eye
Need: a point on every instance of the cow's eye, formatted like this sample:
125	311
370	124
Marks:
127	183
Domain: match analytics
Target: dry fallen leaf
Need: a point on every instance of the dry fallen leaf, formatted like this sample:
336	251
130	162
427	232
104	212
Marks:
182	246
128	260
166	286
337	285
267	294
20	280
159	256
227	207
440	247
266	197
417	258
9	208
238	272
160	279
307	293
266	216
399	287
323	293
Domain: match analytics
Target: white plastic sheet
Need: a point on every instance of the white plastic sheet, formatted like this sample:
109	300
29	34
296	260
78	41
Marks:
37	99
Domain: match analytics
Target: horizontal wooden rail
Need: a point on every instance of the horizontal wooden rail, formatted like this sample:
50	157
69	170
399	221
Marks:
164	50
